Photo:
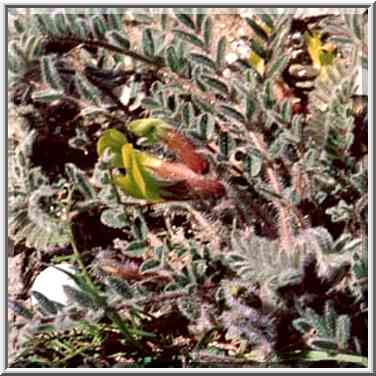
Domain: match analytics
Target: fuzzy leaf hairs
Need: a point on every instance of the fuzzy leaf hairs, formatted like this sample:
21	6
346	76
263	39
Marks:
154	179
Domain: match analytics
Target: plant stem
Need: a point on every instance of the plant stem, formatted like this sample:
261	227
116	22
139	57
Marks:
97	43
110	312
79	259
118	321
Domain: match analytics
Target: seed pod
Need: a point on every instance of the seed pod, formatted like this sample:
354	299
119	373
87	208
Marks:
185	151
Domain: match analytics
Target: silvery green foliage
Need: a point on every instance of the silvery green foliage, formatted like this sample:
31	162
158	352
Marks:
115	215
332	120
261	260
22	53
332	332
34	216
349	29
290	175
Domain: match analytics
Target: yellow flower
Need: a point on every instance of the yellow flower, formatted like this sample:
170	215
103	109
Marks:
322	55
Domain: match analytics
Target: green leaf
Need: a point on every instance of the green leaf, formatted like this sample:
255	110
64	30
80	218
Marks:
253	164
115	18
317	321
208	31
268	95
258	49
47	305
136	248
352	245
359	268
320	343
286	111
87	91
108	194
17	53
175	58
148	45
83	29
191	38
80	180
185	19
319	356
15	65
267	19
221	52
118	38
149	265
47	96
19	26
33	47
72	20
206	126
45	24
115	217
172	59
250	108
196	74
224	144
341	212
302	325
98	26
216	84
80	297
343	331
187	113
114	140
232	113
203	60
258	30
200	18
204	106
120	287
151	104
50	74
330	318
92	111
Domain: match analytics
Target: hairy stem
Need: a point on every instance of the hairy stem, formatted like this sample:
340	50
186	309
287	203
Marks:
186	84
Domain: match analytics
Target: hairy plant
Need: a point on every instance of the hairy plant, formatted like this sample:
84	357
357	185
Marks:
228	198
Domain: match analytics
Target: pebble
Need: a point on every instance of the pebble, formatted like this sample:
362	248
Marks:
50	283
